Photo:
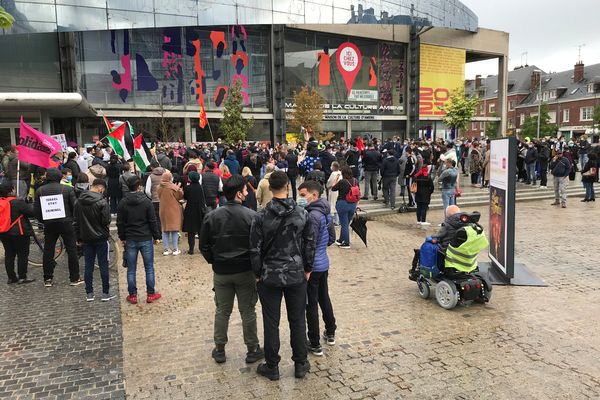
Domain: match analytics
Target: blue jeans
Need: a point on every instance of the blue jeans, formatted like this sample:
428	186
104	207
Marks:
448	198
146	248
172	237
345	211
90	252
531	175
589	190
583	159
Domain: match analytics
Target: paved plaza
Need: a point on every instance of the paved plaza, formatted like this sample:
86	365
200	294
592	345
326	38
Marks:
528	343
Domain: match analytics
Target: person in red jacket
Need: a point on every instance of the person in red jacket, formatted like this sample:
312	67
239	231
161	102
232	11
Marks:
16	239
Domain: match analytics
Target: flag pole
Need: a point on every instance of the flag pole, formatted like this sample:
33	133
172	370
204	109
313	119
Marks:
210	130
18	175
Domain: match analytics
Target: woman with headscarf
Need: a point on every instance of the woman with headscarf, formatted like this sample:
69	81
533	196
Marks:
195	208
169	195
422	195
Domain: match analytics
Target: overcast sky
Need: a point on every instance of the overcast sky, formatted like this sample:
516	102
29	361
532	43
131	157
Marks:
548	30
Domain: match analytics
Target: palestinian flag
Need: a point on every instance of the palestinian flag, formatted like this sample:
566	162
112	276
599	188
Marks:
116	138
109	126
141	155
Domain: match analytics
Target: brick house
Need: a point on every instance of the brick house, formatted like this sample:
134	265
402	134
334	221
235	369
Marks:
570	95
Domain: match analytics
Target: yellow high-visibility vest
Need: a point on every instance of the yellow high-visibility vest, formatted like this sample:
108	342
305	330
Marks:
464	257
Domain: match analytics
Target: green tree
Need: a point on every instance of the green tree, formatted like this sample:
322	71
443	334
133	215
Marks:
460	111
6	20
233	125
491	128
529	126
308	112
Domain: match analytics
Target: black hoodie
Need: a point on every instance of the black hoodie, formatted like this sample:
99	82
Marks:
91	217
136	219
448	230
53	187
282	244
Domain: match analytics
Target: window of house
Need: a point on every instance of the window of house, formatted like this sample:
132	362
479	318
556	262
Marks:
552	115
586	113
492	108
521	119
511	124
511	105
552	94
566	115
545	96
590	88
473	126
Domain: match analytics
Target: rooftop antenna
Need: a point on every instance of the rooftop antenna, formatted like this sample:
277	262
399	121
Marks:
579	55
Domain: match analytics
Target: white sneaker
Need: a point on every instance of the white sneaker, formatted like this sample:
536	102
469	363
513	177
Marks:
543	187
177	252
426	223
167	252
418	222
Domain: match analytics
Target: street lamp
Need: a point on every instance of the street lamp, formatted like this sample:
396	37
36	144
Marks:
537	71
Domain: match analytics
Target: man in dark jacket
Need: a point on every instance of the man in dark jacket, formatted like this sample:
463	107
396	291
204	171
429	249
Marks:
91	221
561	168
371	163
352	158
390	170
530	159
282	253
224	239
293	170
53	206
73	166
16	239
232	163
137	226
543	158
319	214
212	185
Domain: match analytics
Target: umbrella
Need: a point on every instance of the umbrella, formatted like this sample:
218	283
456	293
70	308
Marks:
359	225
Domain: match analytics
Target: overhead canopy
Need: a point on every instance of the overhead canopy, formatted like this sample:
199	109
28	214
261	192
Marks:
56	104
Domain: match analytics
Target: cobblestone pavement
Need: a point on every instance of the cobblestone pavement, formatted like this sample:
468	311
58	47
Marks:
54	344
528	343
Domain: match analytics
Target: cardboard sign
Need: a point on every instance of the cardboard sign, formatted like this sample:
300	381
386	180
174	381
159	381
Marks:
53	207
62	139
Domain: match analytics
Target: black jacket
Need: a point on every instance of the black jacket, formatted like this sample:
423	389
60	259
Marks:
282	244
448	230
53	187
390	167
588	166
210	183
531	155
292	161
19	207
74	167
225	238
136	219
352	158
424	189
561	167
326	160
372	160
195	208
91	217
544	155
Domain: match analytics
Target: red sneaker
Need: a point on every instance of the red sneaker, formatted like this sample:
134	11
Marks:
132	298
153	297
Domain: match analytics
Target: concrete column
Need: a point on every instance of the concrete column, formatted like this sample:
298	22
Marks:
501	106
46	125
78	135
348	129
187	126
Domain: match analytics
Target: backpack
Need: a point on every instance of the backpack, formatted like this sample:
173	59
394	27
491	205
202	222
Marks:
353	195
428	258
5	224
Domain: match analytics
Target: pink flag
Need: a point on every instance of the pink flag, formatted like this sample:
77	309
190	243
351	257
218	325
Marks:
35	147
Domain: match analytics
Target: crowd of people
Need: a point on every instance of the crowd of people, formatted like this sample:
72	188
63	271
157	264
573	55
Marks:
262	216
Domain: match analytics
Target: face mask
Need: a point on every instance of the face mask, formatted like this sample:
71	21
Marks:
302	202
70	178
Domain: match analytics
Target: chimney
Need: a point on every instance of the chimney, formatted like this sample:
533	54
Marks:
535	79
477	81
578	72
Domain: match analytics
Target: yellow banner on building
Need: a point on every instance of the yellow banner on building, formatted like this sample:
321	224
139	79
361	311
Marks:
442	72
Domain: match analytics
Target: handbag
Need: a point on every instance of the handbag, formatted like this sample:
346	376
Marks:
457	192
413	187
591	172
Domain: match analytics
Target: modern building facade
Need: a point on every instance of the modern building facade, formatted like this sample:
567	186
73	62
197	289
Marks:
159	63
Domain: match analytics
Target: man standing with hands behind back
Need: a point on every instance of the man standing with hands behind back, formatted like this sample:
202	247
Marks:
282	252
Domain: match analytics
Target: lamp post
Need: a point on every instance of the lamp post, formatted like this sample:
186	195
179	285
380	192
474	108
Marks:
537	71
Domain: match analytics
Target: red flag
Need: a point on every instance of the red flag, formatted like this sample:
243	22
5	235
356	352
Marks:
36	147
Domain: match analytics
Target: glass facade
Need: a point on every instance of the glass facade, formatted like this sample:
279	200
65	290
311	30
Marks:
83	15
159	68
375	85
30	63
